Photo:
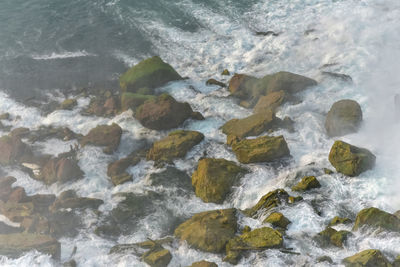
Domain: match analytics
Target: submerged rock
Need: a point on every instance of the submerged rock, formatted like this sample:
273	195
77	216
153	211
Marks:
133	101
175	145
214	178
253	125
116	170
367	258
68	104
277	219
376	218
269	201
307	183
14	245
172	177
150	73
350	160
104	135
261	149
258	239
339	220
209	231
163	113
215	82
344	117
204	263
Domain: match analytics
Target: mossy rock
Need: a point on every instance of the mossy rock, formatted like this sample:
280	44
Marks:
261	149
225	72
344	117
172	177
272	101
367	258
340	237
307	183
396	262
268	202
175	145
328	171
151	73
278	220
13	150
133	101
68	104
209	231
203	263
376	218
16	212
258	239
214	178
324	237
339	220
253	125
351	160
14	245
215	82
104	135
158	257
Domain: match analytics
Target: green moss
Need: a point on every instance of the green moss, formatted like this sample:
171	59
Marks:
339	220
277	220
68	104
307	183
225	72
339	238
375	218
133	101
269	201
158	257
367	258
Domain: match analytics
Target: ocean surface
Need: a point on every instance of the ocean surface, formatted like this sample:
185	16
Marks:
53	46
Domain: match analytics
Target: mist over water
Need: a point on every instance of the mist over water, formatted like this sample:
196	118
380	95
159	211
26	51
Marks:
46	46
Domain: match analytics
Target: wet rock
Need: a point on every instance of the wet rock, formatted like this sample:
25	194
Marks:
330	236
64	223
7	229
36	224
225	72
250	89
47	132
204	263
42	202
175	145
253	125
133	101
6	187
104	106
307	183
328	171
14	245
209	231
172	177
338	76
340	237
261	149
68	104
104	135
108	230
258	239
267	33
268	202
278	220
159	257
150	73
16	212
376	218
116	170
344	117
20	132
71	263
18	195
339	220
214	178
5	116
163	113
60	169
13	150
215	82
396	262
397	214
270	102
69	200
121	178
325	259
351	160
367	258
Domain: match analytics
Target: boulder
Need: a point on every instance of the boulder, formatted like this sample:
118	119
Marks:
258	239
6	187
163	113
339	220
14	245
214	178
69	200
121	178
103	105
204	263
159	257
330	236
396	262
340	237
133	101
104	135
215	82
60	169
13	150
344	117
277	219
68	104
175	145
350	160
116	170
209	231
307	183
261	149
150	73
250	89
367	258
253	125
5	116
270	102
16	212
172	177
376	218
268	202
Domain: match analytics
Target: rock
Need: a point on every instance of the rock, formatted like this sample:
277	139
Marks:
8	229
367	258
150	73
14	245
47	132
215	82
69	200
60	169
340	237
133	101
267	33
68	104
16	212
258	239
36	224
261	149
71	263
163	113
13	150
6	187
328	171
324	237
172	177
344	117
104	135
396	262
158	257
64	223
351	160
20	132
397	214
307	183
376	218
175	145
116	170
104	106
18	195
270	102
269	201
339	76
214	178
250	89
209	231
204	263
121	178
339	220
277	220
5	116
253	125
225	72
42	202
325	259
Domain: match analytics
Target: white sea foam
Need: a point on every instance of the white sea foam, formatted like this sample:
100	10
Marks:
63	55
